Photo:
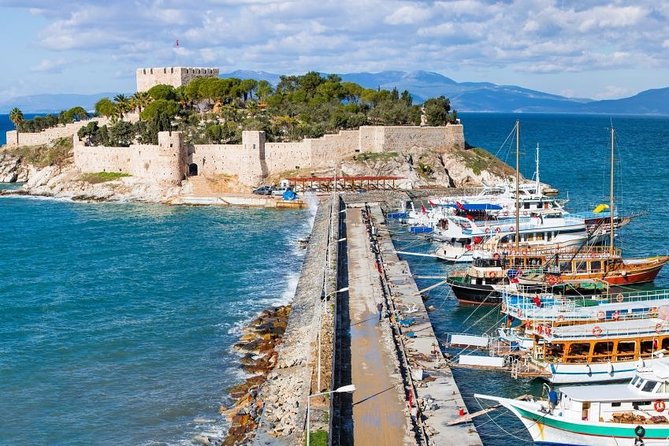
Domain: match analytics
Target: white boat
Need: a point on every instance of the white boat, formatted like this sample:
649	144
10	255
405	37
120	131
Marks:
599	415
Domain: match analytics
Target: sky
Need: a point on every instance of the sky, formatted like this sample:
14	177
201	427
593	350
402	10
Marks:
576	48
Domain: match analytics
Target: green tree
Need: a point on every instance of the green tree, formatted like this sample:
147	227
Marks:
121	134
160	107
123	104
141	99
437	111
16	116
162	91
105	107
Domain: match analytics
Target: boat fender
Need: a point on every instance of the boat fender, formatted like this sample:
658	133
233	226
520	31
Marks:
548	330
503	307
610	367
540	329
659	406
589	370
640	431
639	442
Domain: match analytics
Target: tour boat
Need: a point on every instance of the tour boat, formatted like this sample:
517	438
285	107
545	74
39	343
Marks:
566	269
598	351
633	413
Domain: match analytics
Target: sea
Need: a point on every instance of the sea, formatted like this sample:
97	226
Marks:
118	319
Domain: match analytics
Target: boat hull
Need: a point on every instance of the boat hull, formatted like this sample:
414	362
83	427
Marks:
601	372
554	429
473	294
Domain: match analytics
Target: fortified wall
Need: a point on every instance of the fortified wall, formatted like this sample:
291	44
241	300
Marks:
46	136
174	76
255	159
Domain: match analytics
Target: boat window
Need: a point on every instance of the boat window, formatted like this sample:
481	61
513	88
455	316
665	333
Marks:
626	350
581	267
646	348
596	265
663	388
554	350
634	380
636	404
649	386
665	343
578	351
616	404
565	267
603	349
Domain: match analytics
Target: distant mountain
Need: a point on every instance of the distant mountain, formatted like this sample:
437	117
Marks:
464	96
52	103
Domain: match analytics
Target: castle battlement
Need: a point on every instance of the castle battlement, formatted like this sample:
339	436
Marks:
174	76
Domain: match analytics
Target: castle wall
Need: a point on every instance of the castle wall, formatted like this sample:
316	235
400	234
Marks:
255	159
48	135
174	76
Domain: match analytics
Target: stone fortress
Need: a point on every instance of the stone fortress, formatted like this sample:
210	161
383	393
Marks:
174	76
172	160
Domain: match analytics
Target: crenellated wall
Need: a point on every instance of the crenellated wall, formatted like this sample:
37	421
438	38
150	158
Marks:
254	159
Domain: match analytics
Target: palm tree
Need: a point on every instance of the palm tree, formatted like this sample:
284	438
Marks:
16	116
140	100
123	104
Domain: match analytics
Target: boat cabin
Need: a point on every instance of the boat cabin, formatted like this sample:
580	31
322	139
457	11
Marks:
645	396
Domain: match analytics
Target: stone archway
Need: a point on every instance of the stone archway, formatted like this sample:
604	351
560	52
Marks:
192	170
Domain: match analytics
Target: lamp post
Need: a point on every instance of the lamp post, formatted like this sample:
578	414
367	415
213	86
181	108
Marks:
344	389
318	379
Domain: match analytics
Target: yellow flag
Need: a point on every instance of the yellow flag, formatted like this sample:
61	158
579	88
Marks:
600	208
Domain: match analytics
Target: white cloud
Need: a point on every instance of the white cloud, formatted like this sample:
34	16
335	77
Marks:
50	66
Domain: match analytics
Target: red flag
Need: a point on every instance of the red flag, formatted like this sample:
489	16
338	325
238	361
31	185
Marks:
422	209
459	205
431	204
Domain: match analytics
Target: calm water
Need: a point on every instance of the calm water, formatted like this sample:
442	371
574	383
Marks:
575	159
118	319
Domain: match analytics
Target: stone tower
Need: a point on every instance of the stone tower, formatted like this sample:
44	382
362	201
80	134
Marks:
174	76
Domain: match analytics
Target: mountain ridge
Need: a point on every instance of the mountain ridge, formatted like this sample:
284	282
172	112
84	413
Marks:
464	96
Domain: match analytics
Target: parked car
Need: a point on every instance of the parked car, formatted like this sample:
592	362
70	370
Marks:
278	192
263	190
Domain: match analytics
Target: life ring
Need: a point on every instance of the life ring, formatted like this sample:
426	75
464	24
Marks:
487	230
491	274
620	297
601	315
659	406
505	213
498	229
640	431
616	315
653	310
658	327
511	228
525	213
560	318
596	330
552	280
495	256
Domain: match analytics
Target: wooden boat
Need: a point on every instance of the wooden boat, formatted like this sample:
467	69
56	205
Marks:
564	270
634	413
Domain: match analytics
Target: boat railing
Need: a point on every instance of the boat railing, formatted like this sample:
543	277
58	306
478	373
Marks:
604	332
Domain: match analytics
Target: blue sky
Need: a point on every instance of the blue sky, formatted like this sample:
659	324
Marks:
586	48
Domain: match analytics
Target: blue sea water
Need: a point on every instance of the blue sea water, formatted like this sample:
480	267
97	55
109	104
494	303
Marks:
575	157
5	125
118	319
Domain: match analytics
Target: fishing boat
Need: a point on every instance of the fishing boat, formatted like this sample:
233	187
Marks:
634	413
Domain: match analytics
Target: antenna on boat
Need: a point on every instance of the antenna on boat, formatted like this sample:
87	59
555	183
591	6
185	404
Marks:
517	186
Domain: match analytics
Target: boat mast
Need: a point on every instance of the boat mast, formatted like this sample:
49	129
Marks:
517	186
611	209
537	172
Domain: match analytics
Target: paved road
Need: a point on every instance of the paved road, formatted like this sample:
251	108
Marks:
379	411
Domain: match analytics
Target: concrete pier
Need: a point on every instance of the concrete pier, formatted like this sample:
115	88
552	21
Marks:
431	396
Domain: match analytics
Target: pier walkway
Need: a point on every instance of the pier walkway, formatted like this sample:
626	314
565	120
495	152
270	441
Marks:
380	415
432	392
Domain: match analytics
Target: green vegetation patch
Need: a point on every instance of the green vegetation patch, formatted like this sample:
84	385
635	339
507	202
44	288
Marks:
376	156
102	177
478	160
57	154
318	438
